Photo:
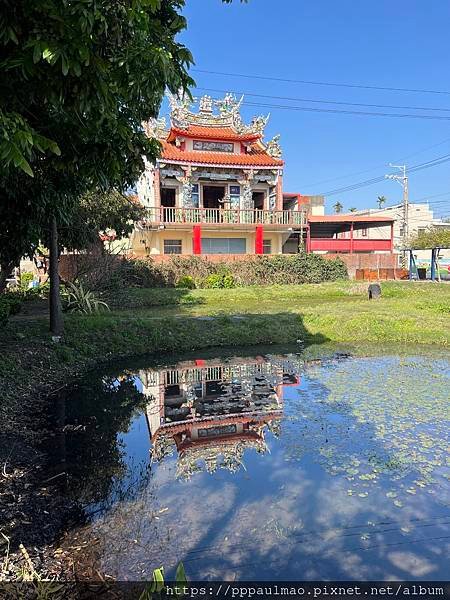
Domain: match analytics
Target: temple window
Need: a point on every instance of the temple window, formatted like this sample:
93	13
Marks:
267	246
195	195
235	196
172	246
223	245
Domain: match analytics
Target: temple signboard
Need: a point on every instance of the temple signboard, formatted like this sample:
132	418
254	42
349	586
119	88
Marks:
213	146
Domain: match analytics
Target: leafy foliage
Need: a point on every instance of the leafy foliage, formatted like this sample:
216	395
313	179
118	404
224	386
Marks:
99	211
80	300
187	282
218	280
76	80
434	237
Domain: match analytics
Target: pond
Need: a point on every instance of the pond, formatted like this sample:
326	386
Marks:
264	466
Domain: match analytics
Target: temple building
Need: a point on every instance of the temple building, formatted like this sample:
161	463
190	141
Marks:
217	188
208	412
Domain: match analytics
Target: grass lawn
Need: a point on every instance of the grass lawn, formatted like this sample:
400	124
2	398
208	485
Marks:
407	312
148	321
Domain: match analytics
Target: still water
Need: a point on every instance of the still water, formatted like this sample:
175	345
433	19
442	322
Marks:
262	467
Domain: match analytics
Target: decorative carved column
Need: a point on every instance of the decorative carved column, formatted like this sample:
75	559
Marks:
157	187
186	180
279	191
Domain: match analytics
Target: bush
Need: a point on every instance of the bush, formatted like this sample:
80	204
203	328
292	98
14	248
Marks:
186	282
25	279
79	300
113	274
14	300
4	312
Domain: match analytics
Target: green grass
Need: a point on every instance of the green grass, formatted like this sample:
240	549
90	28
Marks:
407	312
149	321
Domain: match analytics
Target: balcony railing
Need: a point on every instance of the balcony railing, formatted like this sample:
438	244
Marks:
223	216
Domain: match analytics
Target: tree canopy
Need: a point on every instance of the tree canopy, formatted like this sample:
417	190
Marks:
433	237
77	79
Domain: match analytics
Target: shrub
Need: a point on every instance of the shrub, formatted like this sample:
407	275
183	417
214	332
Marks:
79	300
218	280
186	282
4	312
14	300
25	279
113	273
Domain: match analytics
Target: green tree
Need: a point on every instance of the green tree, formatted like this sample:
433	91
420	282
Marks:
433	237
77	79
338	207
353	209
381	201
97	212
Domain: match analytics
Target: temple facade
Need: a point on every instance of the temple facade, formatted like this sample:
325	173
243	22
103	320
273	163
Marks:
218	186
217	189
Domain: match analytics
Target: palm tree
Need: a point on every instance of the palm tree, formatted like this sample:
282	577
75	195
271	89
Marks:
381	201
353	209
338	207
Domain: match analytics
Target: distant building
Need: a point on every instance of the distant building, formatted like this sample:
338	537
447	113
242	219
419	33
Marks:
420	217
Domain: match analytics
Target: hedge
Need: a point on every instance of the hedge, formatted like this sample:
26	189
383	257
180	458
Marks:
254	270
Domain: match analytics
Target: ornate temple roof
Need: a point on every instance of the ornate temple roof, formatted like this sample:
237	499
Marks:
254	157
216	120
212	133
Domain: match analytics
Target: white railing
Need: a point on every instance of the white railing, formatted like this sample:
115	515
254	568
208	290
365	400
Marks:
225	216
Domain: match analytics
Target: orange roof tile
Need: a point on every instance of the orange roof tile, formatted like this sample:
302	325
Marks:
256	157
212	133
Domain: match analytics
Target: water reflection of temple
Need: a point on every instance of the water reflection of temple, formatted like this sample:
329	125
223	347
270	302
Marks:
210	411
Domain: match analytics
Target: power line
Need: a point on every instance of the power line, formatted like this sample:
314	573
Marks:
379	166
245	94
323	83
435	162
347	112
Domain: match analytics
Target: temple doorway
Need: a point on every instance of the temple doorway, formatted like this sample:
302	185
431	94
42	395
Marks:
258	200
212	194
168	197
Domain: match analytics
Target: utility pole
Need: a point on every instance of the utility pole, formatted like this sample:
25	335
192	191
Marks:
403	181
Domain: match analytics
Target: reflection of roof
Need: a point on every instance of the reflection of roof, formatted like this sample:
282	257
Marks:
187	426
218	454
229	439
256	156
211	133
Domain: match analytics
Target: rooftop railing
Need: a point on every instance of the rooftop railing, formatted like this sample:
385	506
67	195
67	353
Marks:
224	216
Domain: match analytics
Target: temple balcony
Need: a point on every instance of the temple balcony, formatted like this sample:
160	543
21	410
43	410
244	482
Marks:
348	245
224	216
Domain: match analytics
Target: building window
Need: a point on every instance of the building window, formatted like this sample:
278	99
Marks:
267	246
172	246
421	230
195	195
235	196
402	231
223	246
364	232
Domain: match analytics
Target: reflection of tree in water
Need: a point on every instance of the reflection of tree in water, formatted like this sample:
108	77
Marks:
95	412
374	423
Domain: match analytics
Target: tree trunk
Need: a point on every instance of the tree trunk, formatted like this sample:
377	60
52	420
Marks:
5	270
56	318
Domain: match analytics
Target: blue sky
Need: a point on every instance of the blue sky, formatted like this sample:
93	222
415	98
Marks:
402	44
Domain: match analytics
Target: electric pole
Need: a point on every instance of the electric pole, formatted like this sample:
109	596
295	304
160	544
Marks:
403	181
